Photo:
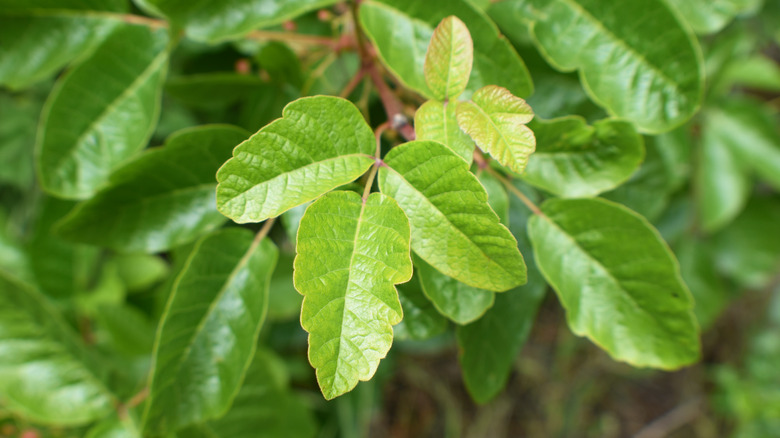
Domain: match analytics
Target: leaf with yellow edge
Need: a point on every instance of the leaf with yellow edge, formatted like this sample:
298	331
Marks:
449	59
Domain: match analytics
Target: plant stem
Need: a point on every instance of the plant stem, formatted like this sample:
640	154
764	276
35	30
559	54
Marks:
393	105
377	159
143	21
352	84
515	191
262	233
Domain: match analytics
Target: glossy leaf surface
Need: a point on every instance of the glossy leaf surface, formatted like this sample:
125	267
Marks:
162	199
102	112
618	281
421	319
351	253
37	44
574	160
211	21
453	227
437	121
449	59
635	58
208	332
707	16
401	31
265	407
319	144
46	374
496	120
459	302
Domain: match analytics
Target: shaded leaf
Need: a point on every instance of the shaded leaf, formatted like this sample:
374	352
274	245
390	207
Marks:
496	120
449	59
46	374
497	196
264	408
635	58
618	281
401	31
102	112
575	160
213	90
163	199
351	253
459	302
437	121
421	319
490	345
205	20
208	332
453	227
697	264
319	144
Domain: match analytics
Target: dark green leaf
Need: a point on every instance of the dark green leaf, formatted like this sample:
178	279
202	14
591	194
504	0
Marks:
575	160
421	319
46	374
208	332
453	227
211	21
213	90
402	29
707	16
102	112
497	196
618	281
320	143
163	199
697	264
635	58
351	253
459	302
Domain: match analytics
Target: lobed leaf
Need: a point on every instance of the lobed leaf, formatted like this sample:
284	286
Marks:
618	281
459	302
449	59
401	31
496	120
575	160
162	199
436	121
453	227
350	254
635	58
319	144
209	330
102	112
210	21
46	374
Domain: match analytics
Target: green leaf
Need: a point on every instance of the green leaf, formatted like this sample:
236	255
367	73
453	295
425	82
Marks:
319	144
350	254
618	281
575	160
490	345
449	59
128	329
497	196
45	372
284	302
697	264
421	319
750	131
453	227
38	44
264	408
401	31
459	302
208	332
163	199
722	179
635	58
40	6
707	16
19	113
437	121
748	250
496	120
102	112
210	21
213	90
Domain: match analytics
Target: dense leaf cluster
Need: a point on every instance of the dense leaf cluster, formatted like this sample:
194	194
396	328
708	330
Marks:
426	172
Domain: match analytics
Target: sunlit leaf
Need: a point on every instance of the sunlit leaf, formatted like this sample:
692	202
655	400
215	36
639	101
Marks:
449	59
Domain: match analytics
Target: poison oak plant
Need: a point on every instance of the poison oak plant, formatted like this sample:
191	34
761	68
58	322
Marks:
414	184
